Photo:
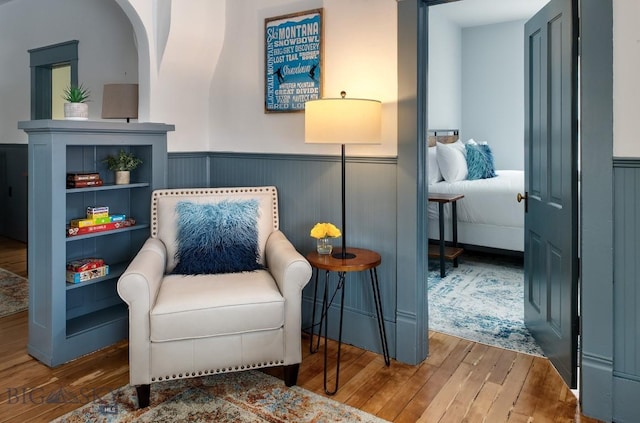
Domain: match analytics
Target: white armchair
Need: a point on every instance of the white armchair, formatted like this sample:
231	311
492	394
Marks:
195	308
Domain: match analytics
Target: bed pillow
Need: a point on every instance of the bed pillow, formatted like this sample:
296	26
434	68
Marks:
217	238
452	161
434	170
479	161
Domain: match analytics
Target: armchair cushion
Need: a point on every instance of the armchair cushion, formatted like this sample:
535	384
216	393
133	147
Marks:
214	305
217	238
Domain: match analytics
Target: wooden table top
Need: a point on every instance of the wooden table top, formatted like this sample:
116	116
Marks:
364	260
444	198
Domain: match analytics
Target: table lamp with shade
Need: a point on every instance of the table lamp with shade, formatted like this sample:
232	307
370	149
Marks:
342	121
120	101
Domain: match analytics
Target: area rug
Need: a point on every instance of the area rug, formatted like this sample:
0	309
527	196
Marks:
14	293
249	396
481	300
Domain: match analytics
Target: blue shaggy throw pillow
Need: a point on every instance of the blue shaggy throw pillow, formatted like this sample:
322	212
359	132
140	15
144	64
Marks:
479	161
217	238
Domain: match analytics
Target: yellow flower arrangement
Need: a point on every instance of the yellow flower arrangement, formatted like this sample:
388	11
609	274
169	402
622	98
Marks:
324	230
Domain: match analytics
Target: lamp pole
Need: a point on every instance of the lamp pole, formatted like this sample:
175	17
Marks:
343	253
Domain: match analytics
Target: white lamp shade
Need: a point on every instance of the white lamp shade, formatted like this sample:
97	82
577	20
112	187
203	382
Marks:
120	101
342	121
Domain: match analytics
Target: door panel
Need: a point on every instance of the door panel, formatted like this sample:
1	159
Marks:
551	181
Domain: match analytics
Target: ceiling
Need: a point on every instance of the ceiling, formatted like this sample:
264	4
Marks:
468	13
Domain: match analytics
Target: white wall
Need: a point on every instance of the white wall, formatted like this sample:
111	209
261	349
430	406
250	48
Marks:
626	78
493	90
359	57
445	72
212	51
107	54
106	51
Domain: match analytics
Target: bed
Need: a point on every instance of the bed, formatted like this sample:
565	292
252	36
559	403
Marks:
489	215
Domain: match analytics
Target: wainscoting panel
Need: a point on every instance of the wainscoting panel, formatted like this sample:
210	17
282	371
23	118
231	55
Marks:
188	170
626	238
309	191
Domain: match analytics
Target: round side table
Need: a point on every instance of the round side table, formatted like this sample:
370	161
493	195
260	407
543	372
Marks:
363	260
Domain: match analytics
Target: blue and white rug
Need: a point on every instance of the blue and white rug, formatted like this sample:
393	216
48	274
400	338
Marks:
481	300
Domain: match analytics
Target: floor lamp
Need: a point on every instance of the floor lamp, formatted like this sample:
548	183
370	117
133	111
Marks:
342	121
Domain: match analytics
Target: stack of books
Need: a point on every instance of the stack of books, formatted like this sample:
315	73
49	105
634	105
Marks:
83	179
98	219
86	269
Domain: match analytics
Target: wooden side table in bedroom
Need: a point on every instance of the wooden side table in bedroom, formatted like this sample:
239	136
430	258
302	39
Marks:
441	251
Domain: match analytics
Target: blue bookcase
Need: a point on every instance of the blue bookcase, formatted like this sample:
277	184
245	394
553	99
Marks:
69	320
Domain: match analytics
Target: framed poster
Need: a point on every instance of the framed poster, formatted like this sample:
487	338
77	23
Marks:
293	60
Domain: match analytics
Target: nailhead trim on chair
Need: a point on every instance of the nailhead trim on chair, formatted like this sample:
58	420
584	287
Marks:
208	191
217	371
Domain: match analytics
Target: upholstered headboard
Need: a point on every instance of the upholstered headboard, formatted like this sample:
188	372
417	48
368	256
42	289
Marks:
444	136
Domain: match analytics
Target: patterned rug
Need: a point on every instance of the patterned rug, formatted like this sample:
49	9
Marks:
249	396
481	300
14	293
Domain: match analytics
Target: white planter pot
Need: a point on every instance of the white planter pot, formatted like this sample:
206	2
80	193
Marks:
122	177
76	111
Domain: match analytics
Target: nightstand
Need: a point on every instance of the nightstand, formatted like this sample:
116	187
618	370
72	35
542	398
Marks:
441	251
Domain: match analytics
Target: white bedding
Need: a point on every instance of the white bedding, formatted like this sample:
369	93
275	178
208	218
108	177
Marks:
488	215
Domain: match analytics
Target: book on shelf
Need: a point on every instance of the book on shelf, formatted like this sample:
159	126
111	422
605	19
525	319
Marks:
82	222
87	275
82	176
84	264
85	184
117	217
71	231
97	211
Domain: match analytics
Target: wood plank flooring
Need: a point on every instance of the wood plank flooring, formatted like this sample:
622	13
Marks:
460	381
13	256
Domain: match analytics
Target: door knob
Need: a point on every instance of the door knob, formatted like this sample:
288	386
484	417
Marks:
524	197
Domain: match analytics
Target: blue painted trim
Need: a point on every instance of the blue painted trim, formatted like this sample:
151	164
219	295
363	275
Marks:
597	221
625	399
411	188
290	157
630	162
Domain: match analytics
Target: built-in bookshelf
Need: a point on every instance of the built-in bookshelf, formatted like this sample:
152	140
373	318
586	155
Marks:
67	320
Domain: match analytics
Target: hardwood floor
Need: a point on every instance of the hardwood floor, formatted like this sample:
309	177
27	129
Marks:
13	256
460	381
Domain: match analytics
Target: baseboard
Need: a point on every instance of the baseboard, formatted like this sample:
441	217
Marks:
626	393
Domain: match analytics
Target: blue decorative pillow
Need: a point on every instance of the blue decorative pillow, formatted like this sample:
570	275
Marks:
479	161
217	238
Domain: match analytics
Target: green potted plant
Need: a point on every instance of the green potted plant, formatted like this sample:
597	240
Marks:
122	164
76	107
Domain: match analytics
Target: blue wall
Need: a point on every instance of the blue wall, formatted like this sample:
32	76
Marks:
626	290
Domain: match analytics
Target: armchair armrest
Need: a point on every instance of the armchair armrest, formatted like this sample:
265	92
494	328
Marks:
138	287
285	263
291	272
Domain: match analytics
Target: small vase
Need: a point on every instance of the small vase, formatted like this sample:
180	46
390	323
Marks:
324	246
76	111
122	177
